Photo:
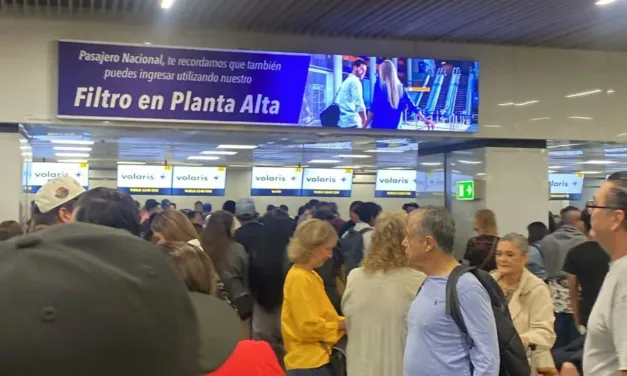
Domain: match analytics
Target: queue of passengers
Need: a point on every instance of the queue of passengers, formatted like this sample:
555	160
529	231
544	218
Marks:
231	292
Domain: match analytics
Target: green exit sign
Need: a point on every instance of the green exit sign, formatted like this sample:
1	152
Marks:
466	190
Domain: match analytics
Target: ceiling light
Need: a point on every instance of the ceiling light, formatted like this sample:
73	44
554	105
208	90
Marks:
584	93
565	153
203	158
147	43
270	142
540	118
555	167
72	160
25	147
481	174
469	162
580	118
23	140
246	147
352	156
73	142
525	103
324	161
349	167
492	126
598	162
398	168
506	104
605	2
384	151
562	146
430	163
610	91
552	171
615	150
77	155
616	155
167	4
591	172
71	148
218	152
131	163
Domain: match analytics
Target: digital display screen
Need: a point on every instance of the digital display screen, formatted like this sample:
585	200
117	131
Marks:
198	181
276	181
396	183
566	186
136	179
327	182
36	174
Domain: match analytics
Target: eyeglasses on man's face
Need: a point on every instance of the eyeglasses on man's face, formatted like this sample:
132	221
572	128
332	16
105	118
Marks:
590	205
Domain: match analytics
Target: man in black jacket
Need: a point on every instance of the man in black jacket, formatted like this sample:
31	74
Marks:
251	231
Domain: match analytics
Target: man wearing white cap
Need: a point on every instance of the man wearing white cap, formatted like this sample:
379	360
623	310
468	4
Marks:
54	202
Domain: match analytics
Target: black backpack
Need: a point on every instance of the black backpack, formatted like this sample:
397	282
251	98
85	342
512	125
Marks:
352	248
512	352
330	116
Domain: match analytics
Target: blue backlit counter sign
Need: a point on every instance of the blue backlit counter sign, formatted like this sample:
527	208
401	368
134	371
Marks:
276	181
145	180
198	181
396	183
327	182
566	186
36	174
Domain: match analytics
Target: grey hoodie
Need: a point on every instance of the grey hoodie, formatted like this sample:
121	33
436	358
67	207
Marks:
554	248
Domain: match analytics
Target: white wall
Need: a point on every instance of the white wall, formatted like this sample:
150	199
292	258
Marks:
238	186
28	69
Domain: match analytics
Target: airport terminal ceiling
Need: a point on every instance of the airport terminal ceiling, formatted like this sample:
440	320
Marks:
114	145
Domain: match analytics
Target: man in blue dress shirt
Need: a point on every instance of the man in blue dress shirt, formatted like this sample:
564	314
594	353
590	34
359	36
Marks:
435	345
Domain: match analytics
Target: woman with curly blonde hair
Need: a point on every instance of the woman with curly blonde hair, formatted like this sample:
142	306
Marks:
376	301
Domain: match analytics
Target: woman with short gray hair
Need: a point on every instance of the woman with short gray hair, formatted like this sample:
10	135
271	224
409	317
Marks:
529	299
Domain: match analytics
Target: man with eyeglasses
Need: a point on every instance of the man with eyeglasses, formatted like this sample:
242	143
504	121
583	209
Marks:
605	350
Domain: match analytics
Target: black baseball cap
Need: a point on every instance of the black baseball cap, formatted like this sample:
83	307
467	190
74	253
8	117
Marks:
151	203
83	299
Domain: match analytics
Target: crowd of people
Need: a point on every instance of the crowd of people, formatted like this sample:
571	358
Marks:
102	286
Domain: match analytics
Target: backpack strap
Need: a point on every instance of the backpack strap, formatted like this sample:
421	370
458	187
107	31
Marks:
452	302
364	230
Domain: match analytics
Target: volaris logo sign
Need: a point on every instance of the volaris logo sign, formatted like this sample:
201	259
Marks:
39	173
396	183
199	181
565	186
276	181
145	179
327	182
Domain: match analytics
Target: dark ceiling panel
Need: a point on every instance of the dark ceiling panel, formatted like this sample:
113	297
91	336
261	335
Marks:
551	23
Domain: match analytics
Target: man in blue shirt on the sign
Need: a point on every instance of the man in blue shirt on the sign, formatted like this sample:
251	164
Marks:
350	97
435	344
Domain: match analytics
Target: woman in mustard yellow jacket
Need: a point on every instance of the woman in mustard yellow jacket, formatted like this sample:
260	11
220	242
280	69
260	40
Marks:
529	299
309	323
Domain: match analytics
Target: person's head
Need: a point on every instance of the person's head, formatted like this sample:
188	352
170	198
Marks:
485	222
301	210
108	207
359	68
198	206
285	208
101	302
55	202
586	220
245	210
166	204
388	78
537	231
608	211
410	207
270	208
571	216
368	212
195	267
323	211
229	206
352	211
10	229
152	206
430	237
512	254
218	236
386	249
312	243
172	226
333	207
